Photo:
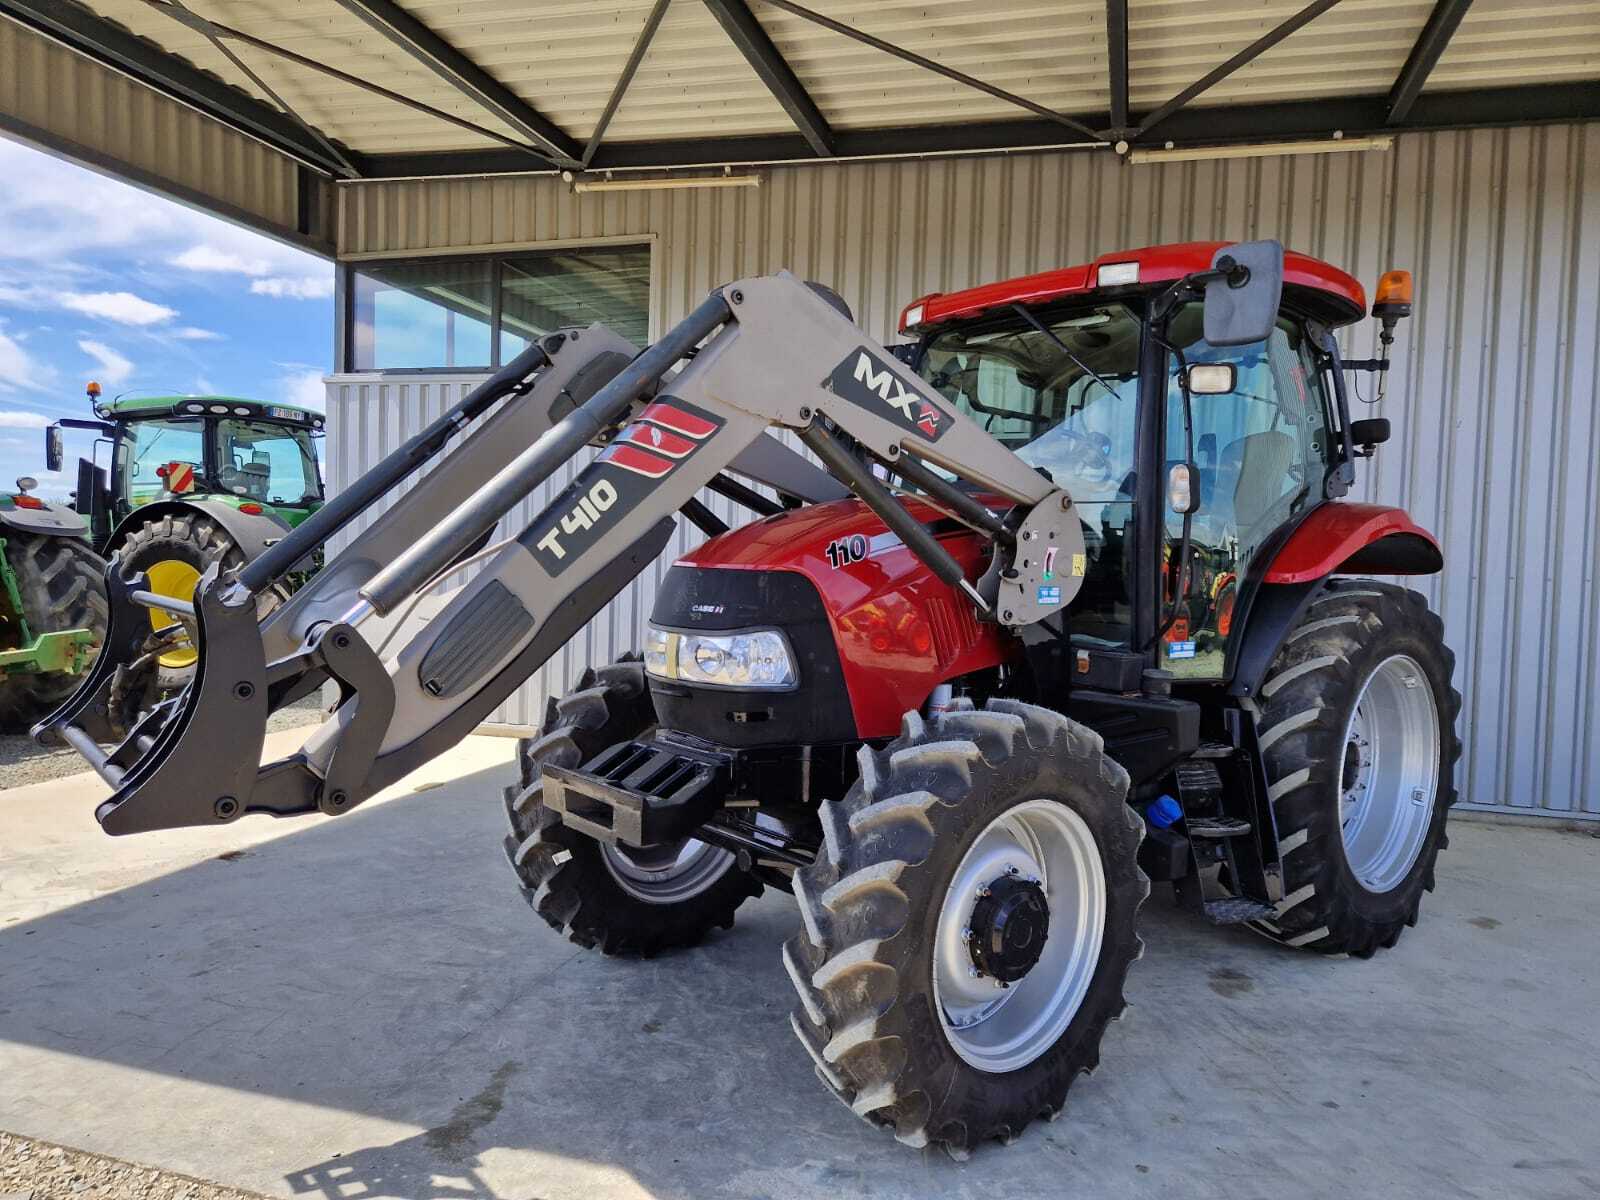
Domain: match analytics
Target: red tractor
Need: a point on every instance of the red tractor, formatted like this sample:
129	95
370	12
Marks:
1075	603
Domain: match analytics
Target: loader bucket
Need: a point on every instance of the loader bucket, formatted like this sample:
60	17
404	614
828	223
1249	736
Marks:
164	771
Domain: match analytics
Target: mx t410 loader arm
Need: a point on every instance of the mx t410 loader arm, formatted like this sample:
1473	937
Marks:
672	419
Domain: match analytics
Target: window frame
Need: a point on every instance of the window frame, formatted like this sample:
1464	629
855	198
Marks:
496	255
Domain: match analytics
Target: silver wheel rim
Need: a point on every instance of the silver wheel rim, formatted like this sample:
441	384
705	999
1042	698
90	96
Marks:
999	1029
670	875
1389	774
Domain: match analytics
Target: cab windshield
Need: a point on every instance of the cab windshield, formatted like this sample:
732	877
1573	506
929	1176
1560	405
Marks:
265	460
1071	411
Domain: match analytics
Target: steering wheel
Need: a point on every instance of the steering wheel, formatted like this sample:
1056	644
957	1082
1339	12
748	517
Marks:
1087	455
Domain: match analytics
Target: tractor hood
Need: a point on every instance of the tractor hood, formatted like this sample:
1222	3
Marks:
898	629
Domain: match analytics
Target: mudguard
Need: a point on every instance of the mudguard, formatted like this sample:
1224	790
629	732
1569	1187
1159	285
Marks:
251	532
52	519
1342	538
1335	538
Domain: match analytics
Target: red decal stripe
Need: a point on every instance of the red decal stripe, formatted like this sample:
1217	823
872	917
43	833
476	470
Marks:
658	440
631	458
679	421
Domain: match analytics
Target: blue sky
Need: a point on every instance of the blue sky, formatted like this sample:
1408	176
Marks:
102	280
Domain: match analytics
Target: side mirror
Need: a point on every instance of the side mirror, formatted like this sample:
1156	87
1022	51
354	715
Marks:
55	448
1242	301
1373	431
1212	379
1183	488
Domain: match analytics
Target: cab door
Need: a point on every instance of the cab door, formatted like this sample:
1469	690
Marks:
1263	451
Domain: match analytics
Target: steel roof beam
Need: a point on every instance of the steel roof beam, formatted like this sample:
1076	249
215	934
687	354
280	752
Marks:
1211	125
640	45
75	27
1424	56
215	29
461	73
928	64
741	26
1249	54
1117	63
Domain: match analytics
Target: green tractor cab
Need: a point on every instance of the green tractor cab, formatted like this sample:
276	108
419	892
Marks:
184	482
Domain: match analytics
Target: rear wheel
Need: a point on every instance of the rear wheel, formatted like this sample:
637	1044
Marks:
174	551
968	924
61	583
603	897
1357	732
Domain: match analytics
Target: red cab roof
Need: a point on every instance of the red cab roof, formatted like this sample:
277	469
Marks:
1340	294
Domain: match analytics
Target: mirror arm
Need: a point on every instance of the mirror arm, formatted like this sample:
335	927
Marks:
1181	588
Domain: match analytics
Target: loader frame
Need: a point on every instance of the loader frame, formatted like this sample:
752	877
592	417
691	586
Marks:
757	353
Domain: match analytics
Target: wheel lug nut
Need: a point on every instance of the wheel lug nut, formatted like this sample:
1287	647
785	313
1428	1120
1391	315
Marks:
1012	870
975	973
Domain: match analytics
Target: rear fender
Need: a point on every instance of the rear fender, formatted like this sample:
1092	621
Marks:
1335	538
251	532
52	519
1338	538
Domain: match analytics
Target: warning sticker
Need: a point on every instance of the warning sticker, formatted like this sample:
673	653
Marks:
1079	565
1180	649
1049	595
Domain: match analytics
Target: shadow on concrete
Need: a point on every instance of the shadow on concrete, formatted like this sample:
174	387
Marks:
382	971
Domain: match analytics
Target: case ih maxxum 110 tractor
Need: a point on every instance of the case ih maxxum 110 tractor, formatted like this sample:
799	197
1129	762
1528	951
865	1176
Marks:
1073	604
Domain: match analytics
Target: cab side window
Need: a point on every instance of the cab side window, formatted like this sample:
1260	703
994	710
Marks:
1263	451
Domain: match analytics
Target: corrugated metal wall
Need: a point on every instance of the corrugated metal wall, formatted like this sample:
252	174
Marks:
66	103
1497	440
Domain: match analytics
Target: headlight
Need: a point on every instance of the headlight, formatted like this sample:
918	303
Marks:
755	661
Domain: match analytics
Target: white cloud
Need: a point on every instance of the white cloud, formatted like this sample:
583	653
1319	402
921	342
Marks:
305	389
17	368
114	369
303	287
204	386
11	418
209	257
190	334
122	307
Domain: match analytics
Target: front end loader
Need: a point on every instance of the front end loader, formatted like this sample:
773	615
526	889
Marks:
1061	612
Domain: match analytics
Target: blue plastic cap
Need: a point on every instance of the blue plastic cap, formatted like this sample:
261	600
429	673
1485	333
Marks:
1163	812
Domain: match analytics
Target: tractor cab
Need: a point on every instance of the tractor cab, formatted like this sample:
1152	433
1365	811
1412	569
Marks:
256	458
1103	378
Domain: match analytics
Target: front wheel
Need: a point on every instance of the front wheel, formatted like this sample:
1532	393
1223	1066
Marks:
611	898
1357	732
968	924
60	583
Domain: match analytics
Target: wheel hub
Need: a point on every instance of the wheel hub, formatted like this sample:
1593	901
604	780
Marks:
1010	924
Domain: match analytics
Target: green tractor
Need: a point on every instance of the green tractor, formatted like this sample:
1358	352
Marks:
52	605
189	481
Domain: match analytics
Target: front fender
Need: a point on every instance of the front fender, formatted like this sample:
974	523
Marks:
251	532
52	519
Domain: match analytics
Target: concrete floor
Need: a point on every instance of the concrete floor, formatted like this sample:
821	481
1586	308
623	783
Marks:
363	1008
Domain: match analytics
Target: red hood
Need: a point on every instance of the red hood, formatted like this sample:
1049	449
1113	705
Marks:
899	630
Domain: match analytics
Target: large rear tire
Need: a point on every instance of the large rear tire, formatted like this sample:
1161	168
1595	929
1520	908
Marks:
954	831
61	583
1356	724
174	551
603	897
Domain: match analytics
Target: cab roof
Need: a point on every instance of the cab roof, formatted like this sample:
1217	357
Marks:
1331	294
137	407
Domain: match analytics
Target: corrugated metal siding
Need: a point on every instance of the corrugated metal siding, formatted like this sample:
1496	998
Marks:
68	103
1494	402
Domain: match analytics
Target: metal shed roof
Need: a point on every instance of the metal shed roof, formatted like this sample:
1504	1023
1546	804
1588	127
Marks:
479	86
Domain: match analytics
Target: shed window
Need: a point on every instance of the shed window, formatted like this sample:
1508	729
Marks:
473	314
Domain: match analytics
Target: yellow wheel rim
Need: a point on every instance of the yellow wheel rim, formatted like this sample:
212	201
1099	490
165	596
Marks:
171	577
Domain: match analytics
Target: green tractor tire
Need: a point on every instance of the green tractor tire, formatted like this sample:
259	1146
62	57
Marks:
60	584
174	551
